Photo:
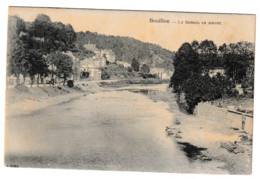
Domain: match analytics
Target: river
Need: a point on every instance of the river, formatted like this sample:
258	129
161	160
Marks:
109	130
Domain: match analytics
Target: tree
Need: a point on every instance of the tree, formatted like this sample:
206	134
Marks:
195	45
63	64
186	64
135	65
17	49
238	59
207	52
37	65
191	76
200	88
17	60
145	69
51	36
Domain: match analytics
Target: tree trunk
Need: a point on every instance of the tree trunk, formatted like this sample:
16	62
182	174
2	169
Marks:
24	80
38	76
31	81
18	79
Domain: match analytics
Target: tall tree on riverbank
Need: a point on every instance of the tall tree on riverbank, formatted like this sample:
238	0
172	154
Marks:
186	64
193	63
17	49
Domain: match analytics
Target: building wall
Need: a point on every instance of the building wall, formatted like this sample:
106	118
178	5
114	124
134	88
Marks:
110	56
125	64
158	71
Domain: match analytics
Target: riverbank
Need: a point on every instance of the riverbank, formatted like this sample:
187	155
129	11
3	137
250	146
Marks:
208	140
22	100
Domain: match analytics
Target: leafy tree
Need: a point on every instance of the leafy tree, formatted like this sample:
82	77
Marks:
41	32
200	88
51	36
63	64
186	64
37	65
191	76
195	45
207	51
238	59
135	65
17	50
29	45
17	60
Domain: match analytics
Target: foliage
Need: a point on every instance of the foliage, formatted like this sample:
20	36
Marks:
186	64
145	69
30	43
237	59
135	65
146	75
63	64
105	75
203	88
116	71
194	61
127	48
37	65
17	59
51	36
70	83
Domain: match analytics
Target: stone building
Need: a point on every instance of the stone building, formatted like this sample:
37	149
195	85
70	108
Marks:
161	73
93	64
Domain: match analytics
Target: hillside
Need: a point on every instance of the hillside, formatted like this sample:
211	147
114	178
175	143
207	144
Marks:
127	48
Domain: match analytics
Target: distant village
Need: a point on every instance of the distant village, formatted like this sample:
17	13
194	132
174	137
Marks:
90	68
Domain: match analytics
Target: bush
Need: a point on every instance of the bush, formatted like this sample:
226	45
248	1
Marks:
129	69
203	88
105	75
145	76
70	83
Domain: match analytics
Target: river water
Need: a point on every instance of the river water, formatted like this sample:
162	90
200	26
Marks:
108	130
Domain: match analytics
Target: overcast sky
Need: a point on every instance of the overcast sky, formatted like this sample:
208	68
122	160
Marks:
137	24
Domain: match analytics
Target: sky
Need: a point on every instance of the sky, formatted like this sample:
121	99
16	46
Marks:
136	24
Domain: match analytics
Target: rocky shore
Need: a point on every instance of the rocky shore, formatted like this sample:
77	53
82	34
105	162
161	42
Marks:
208	140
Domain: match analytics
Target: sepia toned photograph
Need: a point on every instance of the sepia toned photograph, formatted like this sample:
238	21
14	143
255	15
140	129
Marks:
124	90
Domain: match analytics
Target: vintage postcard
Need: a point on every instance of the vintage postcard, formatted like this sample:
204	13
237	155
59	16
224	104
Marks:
130	90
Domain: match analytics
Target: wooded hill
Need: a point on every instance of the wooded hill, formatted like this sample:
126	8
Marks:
127	48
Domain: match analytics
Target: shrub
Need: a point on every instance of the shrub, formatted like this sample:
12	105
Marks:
105	75
70	83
